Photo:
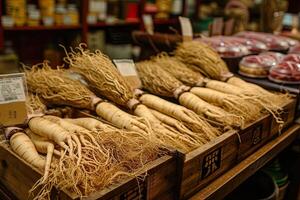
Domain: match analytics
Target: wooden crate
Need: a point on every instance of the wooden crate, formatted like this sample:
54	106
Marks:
160	183
254	136
204	164
288	116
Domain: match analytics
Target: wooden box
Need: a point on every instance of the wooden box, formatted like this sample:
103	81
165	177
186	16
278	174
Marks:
287	115
254	136
204	164
160	183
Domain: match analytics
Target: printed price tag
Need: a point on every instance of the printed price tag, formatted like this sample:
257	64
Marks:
127	69
148	23
186	28
13	92
12	88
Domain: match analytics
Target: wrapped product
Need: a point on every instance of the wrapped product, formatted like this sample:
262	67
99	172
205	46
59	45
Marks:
225	47
295	49
257	66
292	57
273	42
285	72
277	56
254	46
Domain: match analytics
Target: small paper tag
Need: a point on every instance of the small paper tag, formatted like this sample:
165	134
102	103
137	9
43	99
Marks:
186	28
13	92
127	69
148	23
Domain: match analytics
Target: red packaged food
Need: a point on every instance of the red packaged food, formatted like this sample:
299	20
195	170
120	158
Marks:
295	49
277	56
254	46
285	72
292	57
257	66
276	43
291	41
226	47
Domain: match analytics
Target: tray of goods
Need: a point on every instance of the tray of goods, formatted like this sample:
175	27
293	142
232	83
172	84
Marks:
156	180
295	49
256	66
273	42
226	47
254	46
199	167
276	55
286	72
292	58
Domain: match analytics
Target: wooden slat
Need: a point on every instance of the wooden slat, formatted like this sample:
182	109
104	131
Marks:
233	178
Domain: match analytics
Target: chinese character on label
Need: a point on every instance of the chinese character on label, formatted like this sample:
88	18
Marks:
211	163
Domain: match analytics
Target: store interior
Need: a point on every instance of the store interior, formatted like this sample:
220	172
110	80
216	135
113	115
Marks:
150	99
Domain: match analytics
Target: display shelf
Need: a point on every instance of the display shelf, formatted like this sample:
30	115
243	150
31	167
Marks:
41	28
117	23
165	21
226	183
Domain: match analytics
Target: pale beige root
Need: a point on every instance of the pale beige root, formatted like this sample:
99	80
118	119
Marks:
56	88
179	126
178	69
104	77
277	99
101	73
41	143
34	104
23	146
167	135
128	153
51	131
88	123
203	59
45	147
162	83
99	130
201	107
122	119
230	103
255	96
189	119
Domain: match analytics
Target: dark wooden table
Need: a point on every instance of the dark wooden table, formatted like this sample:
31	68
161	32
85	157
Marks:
226	183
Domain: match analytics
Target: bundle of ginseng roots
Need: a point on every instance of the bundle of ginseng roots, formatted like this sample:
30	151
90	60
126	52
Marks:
203	59
80	155
227	110
57	88
181	126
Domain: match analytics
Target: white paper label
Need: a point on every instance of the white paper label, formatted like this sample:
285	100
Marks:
12	88
148	23
126	67
186	28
